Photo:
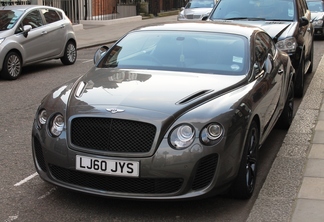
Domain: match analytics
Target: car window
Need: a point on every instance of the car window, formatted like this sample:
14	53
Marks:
186	51
33	18
315	6
51	15
200	4
264	10
8	18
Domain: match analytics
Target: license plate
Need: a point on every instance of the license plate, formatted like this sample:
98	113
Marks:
105	166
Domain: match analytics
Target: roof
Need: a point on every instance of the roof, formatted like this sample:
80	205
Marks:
204	26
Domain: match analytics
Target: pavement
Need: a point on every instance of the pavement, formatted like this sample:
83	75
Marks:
294	188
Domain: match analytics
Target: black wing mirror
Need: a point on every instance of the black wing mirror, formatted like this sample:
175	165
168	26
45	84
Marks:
303	21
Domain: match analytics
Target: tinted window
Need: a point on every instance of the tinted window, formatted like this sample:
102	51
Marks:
185	51
34	19
8	18
315	6
51	15
267	10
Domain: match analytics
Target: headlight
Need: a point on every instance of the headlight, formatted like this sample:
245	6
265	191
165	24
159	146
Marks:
318	22
211	133
57	124
287	45
42	118
2	39
182	136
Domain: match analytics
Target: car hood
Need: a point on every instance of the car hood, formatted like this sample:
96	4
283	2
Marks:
161	91
317	15
6	33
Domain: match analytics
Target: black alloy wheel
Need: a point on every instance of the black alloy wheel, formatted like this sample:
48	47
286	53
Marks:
243	185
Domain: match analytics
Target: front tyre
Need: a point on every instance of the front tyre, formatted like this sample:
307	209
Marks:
287	114
243	185
70	53
299	83
12	66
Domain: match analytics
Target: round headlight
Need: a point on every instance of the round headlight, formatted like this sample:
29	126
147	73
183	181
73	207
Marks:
42	117
211	133
214	131
57	125
182	136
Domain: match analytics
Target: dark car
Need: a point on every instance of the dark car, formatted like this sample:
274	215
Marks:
34	33
286	21
171	111
317	9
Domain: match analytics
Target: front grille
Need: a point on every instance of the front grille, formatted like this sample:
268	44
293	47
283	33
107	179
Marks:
113	135
117	184
39	154
205	172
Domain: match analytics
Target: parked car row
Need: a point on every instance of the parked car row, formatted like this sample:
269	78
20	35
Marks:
169	112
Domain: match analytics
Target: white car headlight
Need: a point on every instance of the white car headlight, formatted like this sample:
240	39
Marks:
2	39
42	118
182	136
211	133
57	125
318	22
287	45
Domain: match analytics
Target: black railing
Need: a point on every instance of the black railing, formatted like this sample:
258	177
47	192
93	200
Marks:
6	3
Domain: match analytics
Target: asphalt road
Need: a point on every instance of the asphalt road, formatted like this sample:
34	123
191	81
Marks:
25	197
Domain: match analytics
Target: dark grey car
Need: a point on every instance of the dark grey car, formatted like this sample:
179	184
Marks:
171	111
288	22
31	34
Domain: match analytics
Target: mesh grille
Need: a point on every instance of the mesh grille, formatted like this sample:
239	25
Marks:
205	172
113	135
39	155
117	184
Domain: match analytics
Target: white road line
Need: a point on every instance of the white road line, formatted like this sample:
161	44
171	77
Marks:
47	193
88	61
26	179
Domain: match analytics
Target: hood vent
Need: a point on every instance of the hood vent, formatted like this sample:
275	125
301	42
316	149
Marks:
194	96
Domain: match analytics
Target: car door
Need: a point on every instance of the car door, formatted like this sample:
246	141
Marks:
55	28
269	73
36	43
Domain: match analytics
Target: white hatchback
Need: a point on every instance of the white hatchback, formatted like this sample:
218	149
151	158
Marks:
31	34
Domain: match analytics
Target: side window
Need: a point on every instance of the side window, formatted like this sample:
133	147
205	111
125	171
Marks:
51	15
34	19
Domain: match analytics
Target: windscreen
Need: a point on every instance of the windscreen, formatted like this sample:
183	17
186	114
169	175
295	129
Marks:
8	18
200	52
277	10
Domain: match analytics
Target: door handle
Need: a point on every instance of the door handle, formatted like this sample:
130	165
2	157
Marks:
63	25
44	32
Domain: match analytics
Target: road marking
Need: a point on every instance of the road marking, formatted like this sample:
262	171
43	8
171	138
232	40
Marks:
47	193
11	218
87	61
26	179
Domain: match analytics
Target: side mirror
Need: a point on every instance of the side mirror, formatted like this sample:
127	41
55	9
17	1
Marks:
99	53
204	18
26	29
303	21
